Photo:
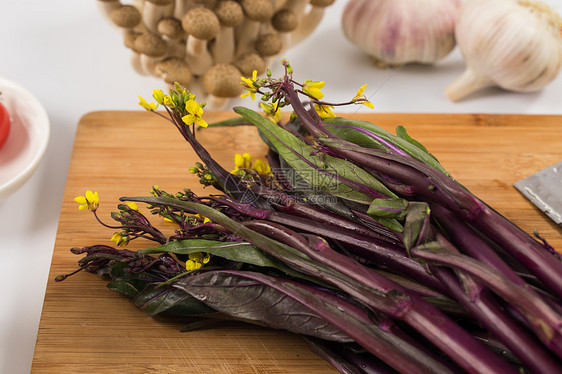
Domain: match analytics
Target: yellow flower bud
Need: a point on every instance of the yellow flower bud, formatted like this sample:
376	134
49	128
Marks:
158	95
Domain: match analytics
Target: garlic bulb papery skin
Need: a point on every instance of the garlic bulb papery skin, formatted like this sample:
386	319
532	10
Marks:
397	32
512	44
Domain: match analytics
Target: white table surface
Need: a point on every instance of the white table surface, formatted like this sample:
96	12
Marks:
74	62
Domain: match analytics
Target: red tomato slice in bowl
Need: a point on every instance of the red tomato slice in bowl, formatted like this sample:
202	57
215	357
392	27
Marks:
4	124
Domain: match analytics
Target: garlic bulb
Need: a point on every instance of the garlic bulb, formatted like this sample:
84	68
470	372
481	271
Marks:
513	44
397	32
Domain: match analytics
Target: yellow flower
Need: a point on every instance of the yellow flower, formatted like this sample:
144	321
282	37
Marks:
194	113
262	167
359	92
132	205
245	162
238	161
89	201
147	106
179	89
312	88
359	98
272	112
158	95
196	260
242	161
200	257
368	104
250	85
153	190
202	218
119	239
169	102
324	111
191	265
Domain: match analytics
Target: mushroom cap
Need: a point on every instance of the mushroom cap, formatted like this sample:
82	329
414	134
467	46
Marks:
150	45
160	2
321	3
129	38
201	22
171	27
126	16
258	10
248	62
229	13
175	69
269	44
284	20
223	80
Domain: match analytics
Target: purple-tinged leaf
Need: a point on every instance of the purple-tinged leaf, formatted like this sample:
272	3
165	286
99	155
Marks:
285	304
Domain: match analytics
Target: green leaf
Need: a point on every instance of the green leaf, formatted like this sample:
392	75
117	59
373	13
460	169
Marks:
235	121
154	300
392	224
389	212
328	174
403	133
321	274
129	284
261	299
388	208
417	221
234	251
124	286
351	131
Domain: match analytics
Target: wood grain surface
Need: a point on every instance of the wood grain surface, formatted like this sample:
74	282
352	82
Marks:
85	327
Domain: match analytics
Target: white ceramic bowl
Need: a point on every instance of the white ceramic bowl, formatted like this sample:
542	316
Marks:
28	139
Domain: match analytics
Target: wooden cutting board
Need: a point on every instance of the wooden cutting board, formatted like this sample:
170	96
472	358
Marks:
87	328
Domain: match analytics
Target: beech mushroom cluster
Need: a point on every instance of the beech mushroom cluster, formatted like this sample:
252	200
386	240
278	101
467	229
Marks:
207	45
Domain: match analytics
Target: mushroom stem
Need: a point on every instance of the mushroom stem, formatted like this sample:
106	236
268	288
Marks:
174	47
171	31
280	4
246	36
466	84
152	14
257	13
135	60
197	55
297	6
181	7
224	48
230	15
200	24
307	24
148	64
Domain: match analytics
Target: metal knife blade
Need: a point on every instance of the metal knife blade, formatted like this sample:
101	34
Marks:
544	189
